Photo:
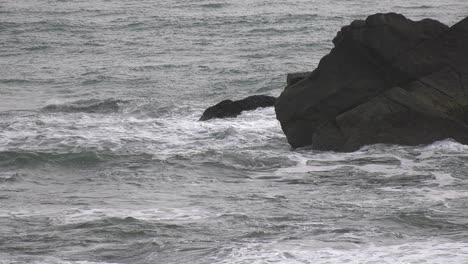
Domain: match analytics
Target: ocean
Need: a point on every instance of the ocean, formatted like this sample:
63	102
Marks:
103	159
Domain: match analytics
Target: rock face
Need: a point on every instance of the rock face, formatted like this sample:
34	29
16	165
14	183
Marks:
229	108
295	77
387	80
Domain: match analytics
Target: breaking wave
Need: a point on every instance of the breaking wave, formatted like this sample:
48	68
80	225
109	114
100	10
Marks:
88	106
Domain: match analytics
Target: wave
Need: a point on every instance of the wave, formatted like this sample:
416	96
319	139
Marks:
429	220
415	7
82	230
37	48
214	5
14	81
78	159
28	159
6	258
88	106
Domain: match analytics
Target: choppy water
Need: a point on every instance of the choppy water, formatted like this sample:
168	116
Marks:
102	159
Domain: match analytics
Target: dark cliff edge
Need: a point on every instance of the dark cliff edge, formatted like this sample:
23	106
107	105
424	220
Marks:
388	79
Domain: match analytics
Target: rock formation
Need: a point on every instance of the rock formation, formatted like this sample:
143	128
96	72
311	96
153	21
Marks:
229	108
387	80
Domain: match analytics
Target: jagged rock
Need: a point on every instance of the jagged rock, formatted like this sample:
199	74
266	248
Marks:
387	80
229	108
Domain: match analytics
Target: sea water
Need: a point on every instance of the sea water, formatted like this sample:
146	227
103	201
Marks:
102	159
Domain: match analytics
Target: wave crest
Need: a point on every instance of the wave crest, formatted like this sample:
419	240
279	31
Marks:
88	106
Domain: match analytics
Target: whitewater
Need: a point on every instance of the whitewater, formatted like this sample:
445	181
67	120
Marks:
103	159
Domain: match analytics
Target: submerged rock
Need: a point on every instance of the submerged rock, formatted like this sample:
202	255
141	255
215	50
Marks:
387	80
229	108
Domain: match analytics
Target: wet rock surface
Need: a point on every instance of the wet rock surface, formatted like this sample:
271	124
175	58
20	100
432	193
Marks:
229	108
387	80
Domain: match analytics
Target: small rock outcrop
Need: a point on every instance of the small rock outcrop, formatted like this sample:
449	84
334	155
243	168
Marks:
229	108
387	80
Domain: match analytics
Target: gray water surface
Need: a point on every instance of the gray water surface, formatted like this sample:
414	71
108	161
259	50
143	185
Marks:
102	159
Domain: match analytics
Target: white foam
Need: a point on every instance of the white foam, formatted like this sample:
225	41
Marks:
167	136
427	162
448	145
441	195
406	166
429	252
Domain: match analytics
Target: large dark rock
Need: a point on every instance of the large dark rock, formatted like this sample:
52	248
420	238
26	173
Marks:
229	108
387	80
